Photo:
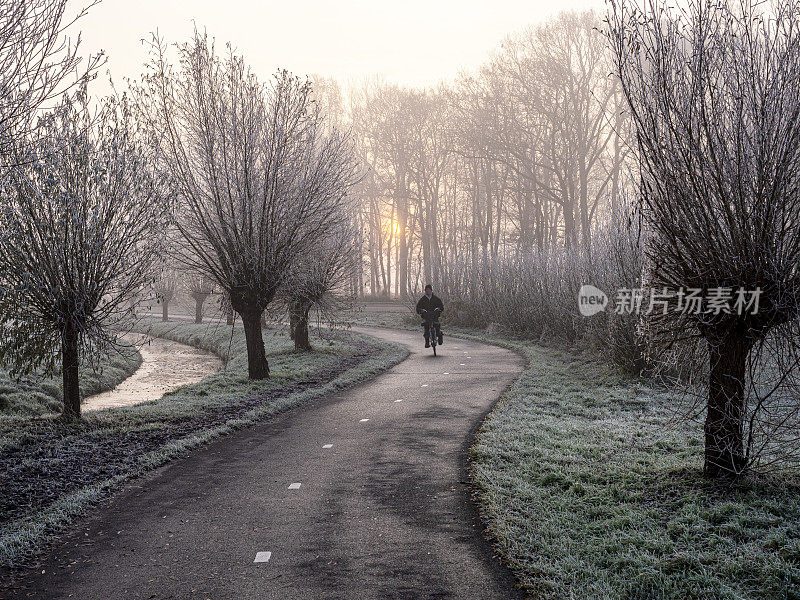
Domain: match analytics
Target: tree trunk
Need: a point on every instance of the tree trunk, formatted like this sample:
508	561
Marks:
257	366
69	368
569	224
227	308
164	310
298	324
584	209
724	428
199	300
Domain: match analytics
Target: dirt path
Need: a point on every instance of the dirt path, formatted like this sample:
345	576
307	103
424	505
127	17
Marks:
166	365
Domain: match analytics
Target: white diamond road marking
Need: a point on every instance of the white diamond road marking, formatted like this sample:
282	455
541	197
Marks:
327	445
363	420
294	486
262	557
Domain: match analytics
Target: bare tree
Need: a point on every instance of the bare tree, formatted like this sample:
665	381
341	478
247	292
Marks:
319	278
550	123
381	121
37	63
166	289
83	212
199	287
714	97
257	177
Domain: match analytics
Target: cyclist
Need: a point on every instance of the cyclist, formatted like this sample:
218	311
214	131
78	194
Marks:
426	308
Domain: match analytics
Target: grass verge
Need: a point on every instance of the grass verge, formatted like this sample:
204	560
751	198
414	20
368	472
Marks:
593	489
52	471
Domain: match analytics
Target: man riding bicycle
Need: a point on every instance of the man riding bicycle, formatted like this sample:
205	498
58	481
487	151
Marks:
427	309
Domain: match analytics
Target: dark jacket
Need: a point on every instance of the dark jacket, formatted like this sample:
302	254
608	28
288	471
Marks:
429	305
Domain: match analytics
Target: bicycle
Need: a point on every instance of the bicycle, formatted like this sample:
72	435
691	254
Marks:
433	329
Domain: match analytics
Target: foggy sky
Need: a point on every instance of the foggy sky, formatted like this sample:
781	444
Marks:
413	42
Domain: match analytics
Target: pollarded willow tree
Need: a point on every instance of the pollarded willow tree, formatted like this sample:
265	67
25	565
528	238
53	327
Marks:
198	287
82	215
165	289
258	174
319	277
714	93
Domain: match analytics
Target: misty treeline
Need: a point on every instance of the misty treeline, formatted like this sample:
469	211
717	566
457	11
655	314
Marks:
507	188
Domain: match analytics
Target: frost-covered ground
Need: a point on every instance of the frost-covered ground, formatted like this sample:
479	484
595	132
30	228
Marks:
51	471
592	488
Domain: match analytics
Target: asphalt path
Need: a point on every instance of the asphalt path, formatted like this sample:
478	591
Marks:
382	509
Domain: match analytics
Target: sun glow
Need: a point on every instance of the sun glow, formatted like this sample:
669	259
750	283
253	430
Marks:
392	226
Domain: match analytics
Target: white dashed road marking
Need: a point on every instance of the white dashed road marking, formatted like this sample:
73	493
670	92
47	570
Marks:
424	385
398	400
364	420
327	445
294	486
446	373
262	557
